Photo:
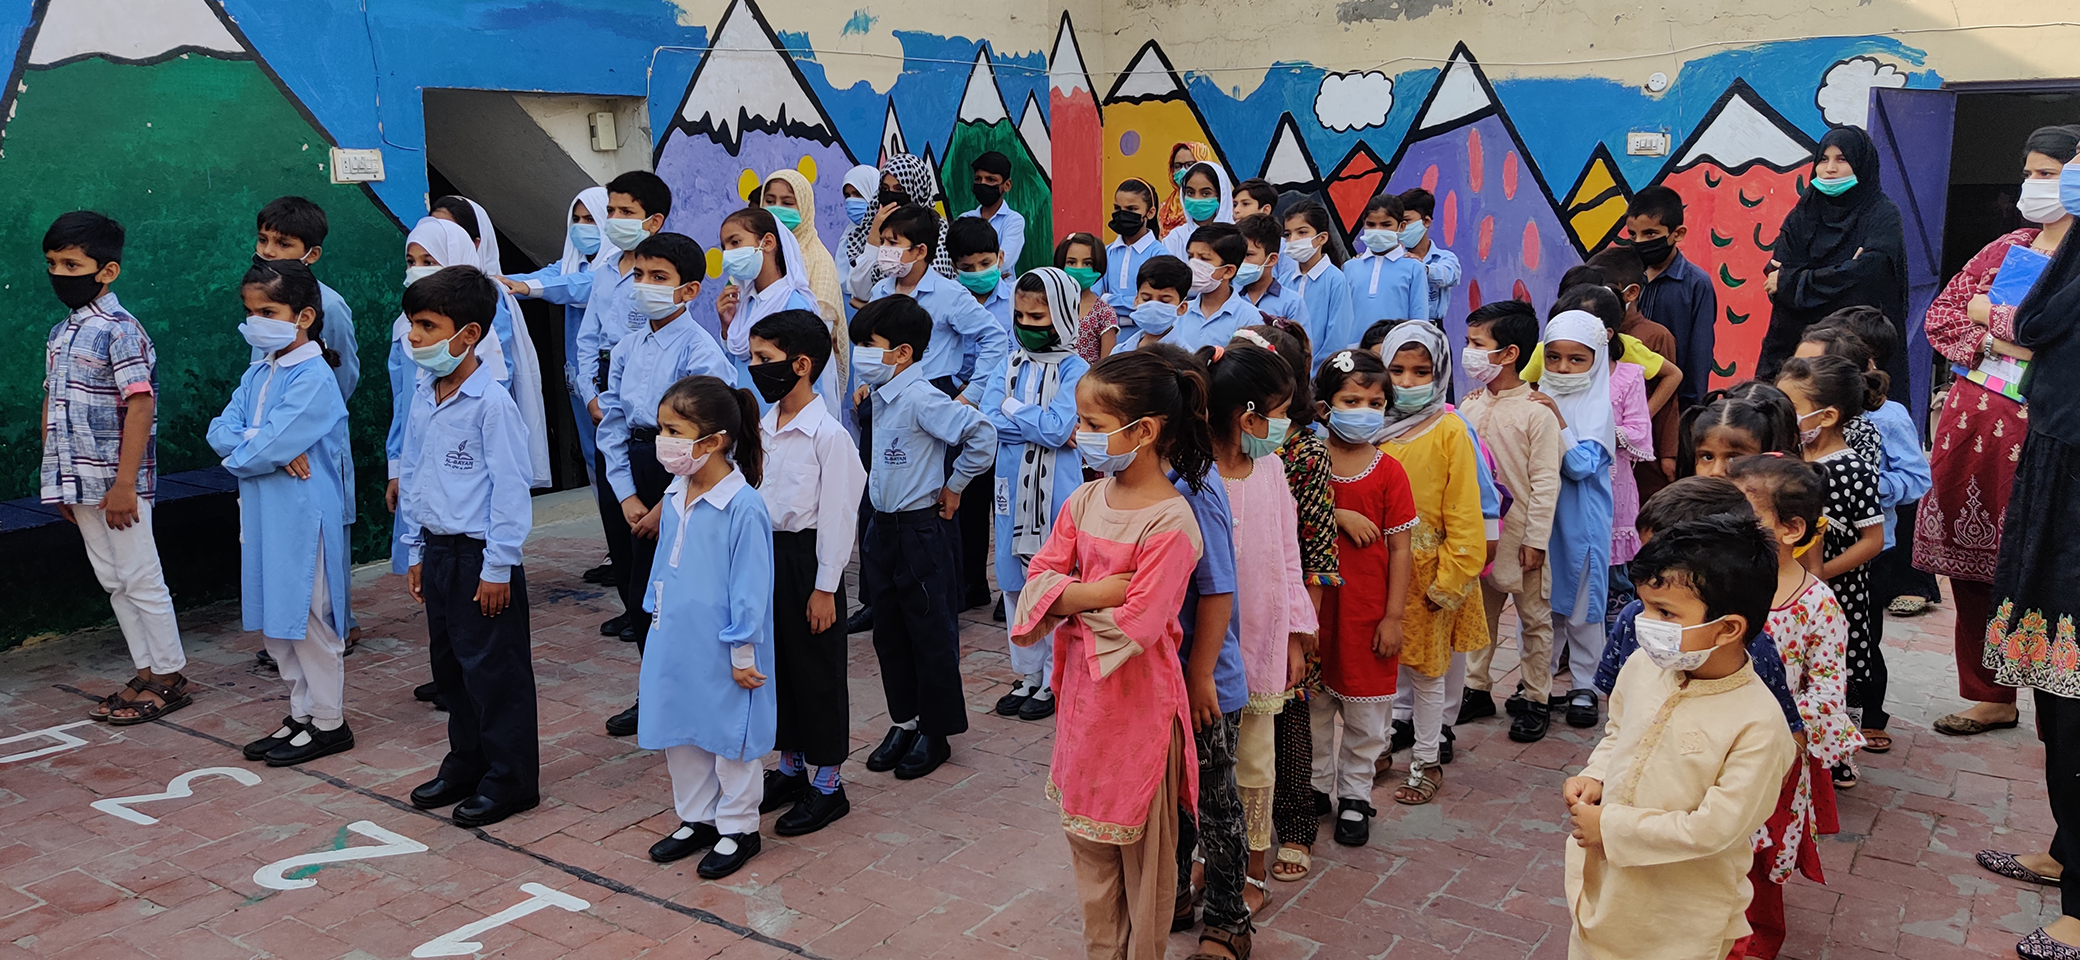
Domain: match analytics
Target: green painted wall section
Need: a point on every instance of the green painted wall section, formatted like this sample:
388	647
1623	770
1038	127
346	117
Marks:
1029	193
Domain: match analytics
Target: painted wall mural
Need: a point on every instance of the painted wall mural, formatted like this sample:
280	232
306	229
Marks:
123	105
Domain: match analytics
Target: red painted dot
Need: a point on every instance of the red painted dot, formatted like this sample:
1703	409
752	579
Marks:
1474	173
1487	237
1430	178
1521	291
1509	176
1448	215
1473	295
1531	251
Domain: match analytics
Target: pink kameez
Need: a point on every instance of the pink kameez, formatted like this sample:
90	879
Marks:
1267	556
1635	445
1118	689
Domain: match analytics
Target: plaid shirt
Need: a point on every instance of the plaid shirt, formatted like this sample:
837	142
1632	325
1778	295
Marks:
94	361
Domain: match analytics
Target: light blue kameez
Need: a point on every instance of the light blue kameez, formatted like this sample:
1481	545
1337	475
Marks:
1580	551
571	291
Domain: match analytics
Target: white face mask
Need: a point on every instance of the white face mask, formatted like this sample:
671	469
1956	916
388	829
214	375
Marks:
1663	643
1202	277
413	275
1300	249
624	232
654	300
1562	384
1477	365
2039	201
675	454
267	334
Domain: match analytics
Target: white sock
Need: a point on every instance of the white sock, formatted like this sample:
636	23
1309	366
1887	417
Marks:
282	732
1044	693
910	724
726	846
328	725
1350	815
685	832
1024	688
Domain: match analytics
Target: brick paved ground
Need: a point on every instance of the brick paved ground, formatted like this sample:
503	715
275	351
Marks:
969	862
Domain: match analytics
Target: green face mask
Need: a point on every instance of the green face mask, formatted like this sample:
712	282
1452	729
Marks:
1834	186
1037	339
1084	276
789	217
1201	209
980	282
1177	175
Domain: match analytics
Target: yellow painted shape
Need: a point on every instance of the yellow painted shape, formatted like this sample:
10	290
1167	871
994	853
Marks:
1161	124
714	261
1598	180
1595	223
748	184
807	166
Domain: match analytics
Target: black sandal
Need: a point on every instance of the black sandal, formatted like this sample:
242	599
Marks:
174	695
115	701
1237	943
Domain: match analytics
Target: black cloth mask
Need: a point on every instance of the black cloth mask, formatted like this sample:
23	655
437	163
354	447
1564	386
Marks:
988	193
774	379
76	291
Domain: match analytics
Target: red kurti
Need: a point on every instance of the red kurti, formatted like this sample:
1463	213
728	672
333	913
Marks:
1352	612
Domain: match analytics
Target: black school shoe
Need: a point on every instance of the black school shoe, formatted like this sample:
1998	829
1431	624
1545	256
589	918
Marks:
602	574
999	614
860	622
482	811
689	839
1354	831
1581	708
1476	705
1322	806
1038	708
1444	747
782	789
927	752
266	660
258	749
892	749
428	692
440	792
1530	725
614	626
1402	737
1009	704
813	812
624	723
717	864
316	743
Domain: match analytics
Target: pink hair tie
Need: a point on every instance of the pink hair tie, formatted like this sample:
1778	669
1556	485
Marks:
1219	352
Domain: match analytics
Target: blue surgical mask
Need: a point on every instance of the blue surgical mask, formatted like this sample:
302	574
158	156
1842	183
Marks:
1380	241
1357	424
872	366
856	208
625	233
585	238
1413	234
1256	447
789	217
1412	399
742	264
1155	318
436	358
1247	273
1834	186
2069	187
1095	448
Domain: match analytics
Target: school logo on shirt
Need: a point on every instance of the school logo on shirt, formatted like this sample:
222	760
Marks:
460	458
894	456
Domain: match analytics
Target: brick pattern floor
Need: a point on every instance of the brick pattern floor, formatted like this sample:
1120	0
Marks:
969	862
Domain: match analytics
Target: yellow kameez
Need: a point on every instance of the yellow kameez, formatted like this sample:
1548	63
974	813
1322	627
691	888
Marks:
1449	544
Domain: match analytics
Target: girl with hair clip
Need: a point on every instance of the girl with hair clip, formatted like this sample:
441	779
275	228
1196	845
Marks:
284	436
1107	585
1740	421
1249	401
1825	391
710	648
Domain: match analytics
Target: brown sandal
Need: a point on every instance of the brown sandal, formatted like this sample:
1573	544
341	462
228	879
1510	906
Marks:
1876	741
173	695
114	701
1237	944
1421	786
1298	863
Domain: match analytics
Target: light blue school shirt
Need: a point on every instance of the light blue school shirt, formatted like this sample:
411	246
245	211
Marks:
1196	328
1383	287
1443	267
914	423
467	472
958	323
1122	264
1011	234
569	291
1327	296
710	597
1025	427
998	303
1580	550
642	368
1279	300
282	409
403	373
1905	477
338	331
610	315
1214	574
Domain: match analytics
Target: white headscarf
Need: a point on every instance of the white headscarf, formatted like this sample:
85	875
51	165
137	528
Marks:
1587	412
449	245
772	299
527	366
1416	333
595	201
1035	379
1176	239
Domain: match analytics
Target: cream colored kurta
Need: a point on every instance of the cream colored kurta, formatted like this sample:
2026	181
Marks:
1524	438
1690	770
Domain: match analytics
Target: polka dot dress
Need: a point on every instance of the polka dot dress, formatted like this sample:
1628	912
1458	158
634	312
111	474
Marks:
1852	505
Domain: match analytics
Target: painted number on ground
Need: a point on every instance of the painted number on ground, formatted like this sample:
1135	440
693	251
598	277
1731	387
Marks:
459	942
65	742
389	844
175	790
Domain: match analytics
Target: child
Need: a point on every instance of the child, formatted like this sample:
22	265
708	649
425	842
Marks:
284	436
1325	296
812	484
463	497
1622	271
1436	449
1162	286
1106	586
1134	241
763	274
991	184
1083	258
1812	638
962	331
1386	283
1031	401
667	270
1418	206
1524	437
1677	294
1631	415
1206	199
910	559
1257	276
1825	391
1217	309
1663	824
1361	619
978	263
568	283
1254	196
100	393
1741	421
1577	384
1249	396
292	228
711	608
973	246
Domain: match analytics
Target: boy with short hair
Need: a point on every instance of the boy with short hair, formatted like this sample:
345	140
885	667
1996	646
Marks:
100	428
1678	295
1691	762
910	559
1626	275
462	493
972	246
812	485
961	328
1162	285
665	274
1254	196
1418	208
293	228
991	183
1216	309
1523	436
637	203
1256	278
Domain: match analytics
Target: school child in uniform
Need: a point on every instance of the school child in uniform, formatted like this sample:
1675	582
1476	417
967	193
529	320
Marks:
1318	278
292	228
1524	438
284	436
100	393
1134	241
1162	288
1262	275
1104	590
1622	271
1217	308
1254	196
463	497
667	271
1576	386
1248	406
1083	258
1677	294
1663	826
964	333
1386	283
1812	638
568	284
1206	198
812	484
1031	402
712	612
991	183
1824	392
763	272
1361	618
1418	207
910	560
1437	451
978	266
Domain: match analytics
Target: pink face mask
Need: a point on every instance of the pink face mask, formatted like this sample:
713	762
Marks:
890	260
676	455
1202	277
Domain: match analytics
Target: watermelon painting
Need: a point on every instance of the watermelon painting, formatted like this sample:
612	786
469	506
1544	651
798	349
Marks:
1739	172
984	124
